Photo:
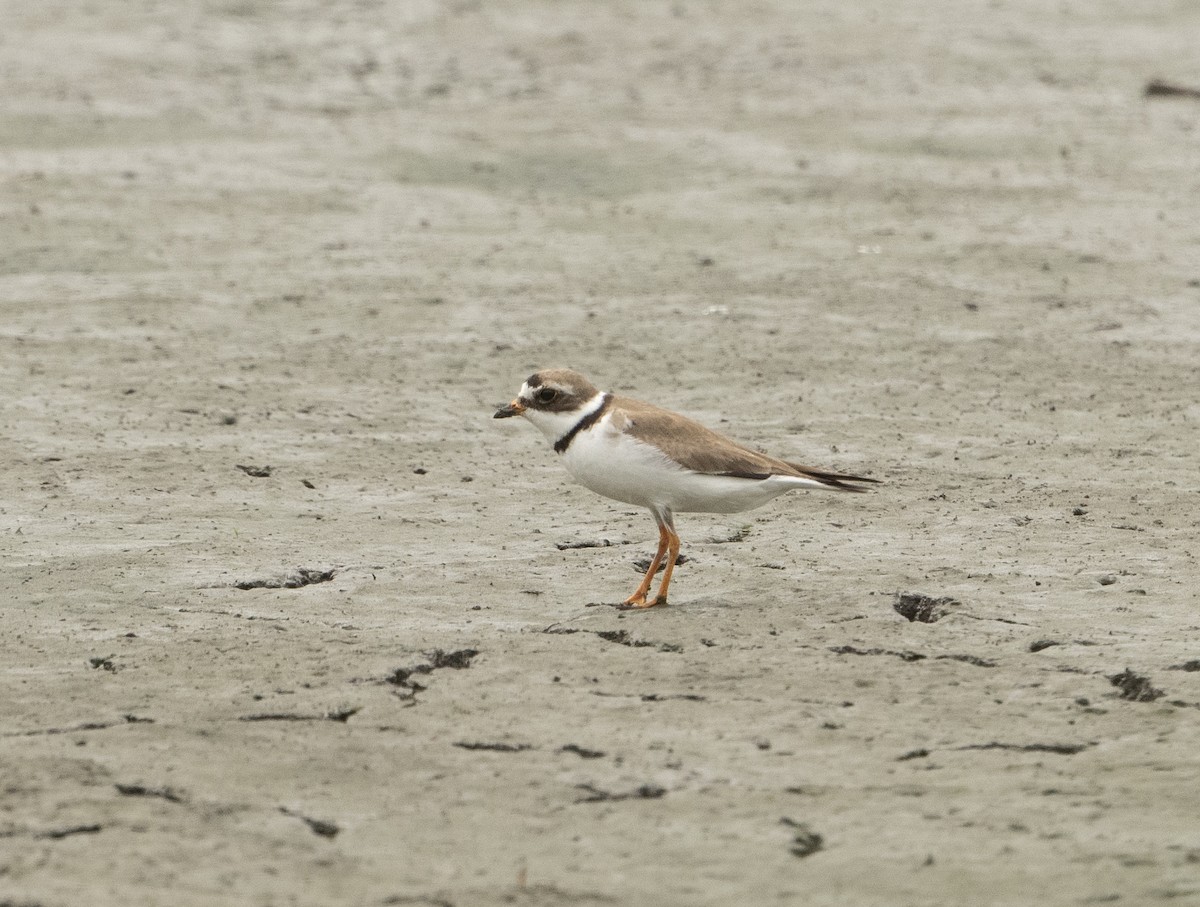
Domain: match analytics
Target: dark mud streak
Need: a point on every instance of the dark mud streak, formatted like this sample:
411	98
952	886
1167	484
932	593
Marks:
50	834
968	659
77	728
1060	749
304	576
163	793
340	715
320	827
581	752
642	792
280	716
851	650
1157	88
417	900
908	655
620	637
56	834
688	697
494	747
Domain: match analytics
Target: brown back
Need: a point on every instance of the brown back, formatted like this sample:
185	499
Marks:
701	449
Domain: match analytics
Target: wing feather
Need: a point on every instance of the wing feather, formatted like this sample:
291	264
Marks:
700	449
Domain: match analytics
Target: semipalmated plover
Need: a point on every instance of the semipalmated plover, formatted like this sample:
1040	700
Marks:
637	453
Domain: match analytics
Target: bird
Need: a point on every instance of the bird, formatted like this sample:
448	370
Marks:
640	454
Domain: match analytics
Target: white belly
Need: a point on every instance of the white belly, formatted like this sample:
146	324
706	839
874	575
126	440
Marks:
622	468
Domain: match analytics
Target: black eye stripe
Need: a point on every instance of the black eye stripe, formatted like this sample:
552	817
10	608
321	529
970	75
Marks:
550	399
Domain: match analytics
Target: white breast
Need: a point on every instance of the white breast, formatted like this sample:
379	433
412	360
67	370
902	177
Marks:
623	468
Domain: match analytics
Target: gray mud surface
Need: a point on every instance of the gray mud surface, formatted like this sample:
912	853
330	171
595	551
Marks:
952	246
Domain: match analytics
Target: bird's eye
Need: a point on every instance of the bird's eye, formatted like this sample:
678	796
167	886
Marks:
546	395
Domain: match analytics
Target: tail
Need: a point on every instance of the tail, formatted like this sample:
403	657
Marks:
834	479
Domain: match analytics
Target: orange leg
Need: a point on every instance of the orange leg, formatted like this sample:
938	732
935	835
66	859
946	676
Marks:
638	599
672	556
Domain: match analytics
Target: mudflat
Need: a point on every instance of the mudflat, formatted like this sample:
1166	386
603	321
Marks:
287	618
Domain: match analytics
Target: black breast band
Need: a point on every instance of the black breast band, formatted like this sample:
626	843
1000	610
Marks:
561	445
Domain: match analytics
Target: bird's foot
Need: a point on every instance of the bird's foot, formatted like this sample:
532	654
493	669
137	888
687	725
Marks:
640	601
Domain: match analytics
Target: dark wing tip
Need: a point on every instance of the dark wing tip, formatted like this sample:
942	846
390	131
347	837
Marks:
829	479
836	480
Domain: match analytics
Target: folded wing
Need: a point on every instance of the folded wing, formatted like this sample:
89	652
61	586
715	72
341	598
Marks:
702	450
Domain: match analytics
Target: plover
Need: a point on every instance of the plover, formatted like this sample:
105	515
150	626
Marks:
640	454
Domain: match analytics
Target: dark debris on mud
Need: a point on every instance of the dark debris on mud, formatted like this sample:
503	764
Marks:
459	660
1135	687
921	608
805	841
583	543
641	565
256	472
